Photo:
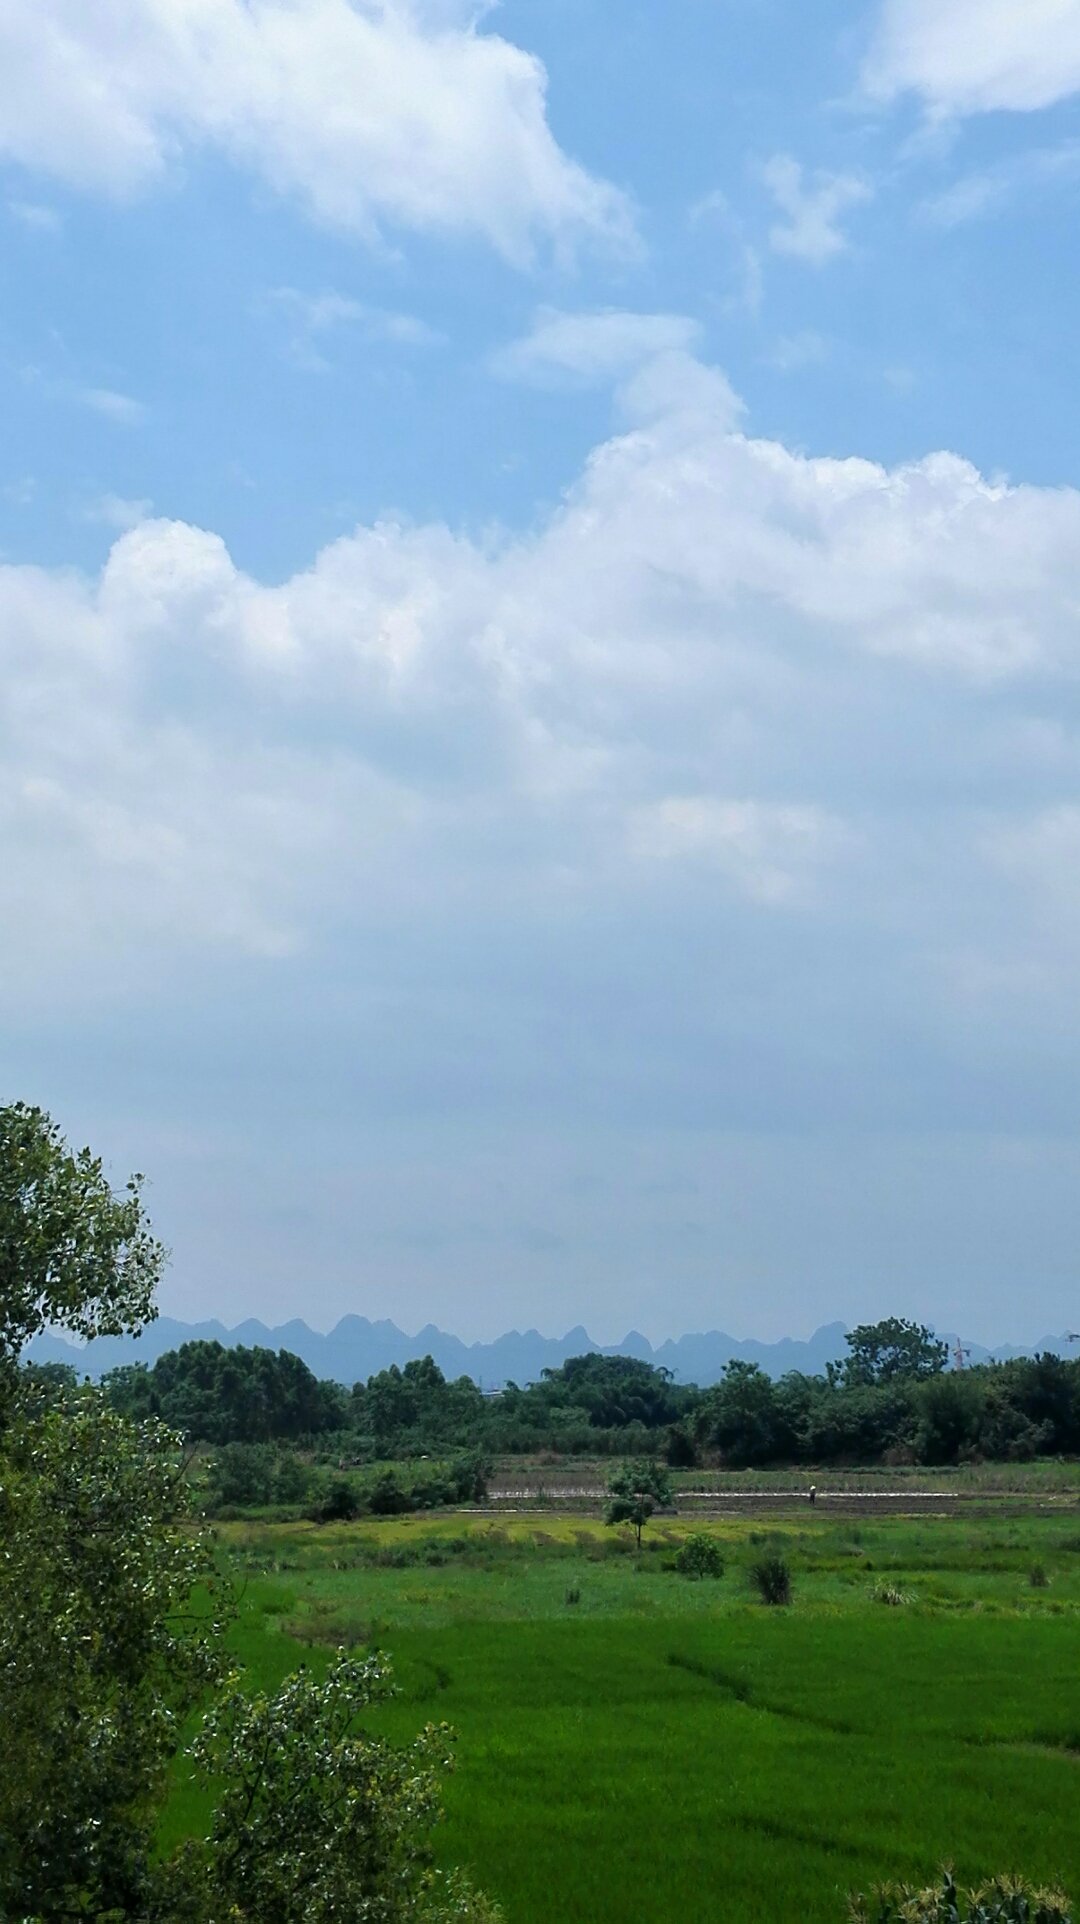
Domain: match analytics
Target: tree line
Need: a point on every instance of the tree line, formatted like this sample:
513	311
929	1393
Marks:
891	1399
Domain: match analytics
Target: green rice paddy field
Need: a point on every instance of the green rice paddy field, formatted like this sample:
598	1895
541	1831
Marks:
636	1746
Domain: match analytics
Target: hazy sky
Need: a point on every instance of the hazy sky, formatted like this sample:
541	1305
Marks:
540	636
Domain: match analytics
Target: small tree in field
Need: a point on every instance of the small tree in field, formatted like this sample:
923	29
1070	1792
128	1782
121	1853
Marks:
634	1492
700	1556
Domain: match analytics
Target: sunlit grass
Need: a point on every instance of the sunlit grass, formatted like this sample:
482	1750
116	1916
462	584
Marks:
665	1749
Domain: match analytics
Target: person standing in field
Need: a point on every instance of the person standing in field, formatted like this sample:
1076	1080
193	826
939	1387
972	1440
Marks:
813	1493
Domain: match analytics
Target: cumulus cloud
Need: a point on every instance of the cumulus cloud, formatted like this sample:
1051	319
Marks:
726	690
366	112
975	56
813	207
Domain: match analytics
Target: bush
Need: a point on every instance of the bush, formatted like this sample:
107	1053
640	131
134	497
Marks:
469	1478
387	1498
700	1556
573	1595
1038	1577
241	1476
682	1452
1006	1900
771	1576
890	1595
340	1504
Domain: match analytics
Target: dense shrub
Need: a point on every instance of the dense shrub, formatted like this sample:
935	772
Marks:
682	1452
252	1475
771	1576
700	1556
340	1504
387	1498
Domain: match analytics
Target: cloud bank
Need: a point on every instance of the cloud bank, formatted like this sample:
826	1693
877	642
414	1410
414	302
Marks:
365	112
811	720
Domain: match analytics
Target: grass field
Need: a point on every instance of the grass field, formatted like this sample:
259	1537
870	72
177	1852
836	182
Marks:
660	1749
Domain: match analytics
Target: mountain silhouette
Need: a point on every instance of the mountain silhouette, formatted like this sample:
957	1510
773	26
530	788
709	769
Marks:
357	1348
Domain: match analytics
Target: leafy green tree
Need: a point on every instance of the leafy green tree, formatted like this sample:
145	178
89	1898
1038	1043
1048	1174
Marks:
219	1395
635	1492
893	1348
742	1417
948	1413
109	1639
73	1252
320	1821
101	1656
614	1391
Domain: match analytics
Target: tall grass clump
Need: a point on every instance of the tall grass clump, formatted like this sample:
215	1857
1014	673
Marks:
891	1595
771	1577
1007	1900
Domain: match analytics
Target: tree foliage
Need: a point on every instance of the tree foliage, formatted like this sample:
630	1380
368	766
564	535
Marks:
220	1395
634	1492
320	1822
880	1352
101	1654
700	1555
73	1251
110	1639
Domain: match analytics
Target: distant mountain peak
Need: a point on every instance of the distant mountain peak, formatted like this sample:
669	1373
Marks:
357	1348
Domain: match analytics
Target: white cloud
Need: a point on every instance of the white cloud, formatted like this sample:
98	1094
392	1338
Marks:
592	347
771	851
33	214
367	112
992	190
121	408
975	56
716	210
114	405
724	687
793	352
309	319
813	208
117	511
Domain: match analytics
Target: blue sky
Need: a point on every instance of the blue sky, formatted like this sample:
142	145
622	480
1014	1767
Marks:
539	619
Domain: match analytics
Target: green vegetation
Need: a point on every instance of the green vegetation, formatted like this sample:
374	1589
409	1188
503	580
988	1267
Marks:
700	1556
1005	1900
635	1492
772	1577
797	1754
891	1401
109	1643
